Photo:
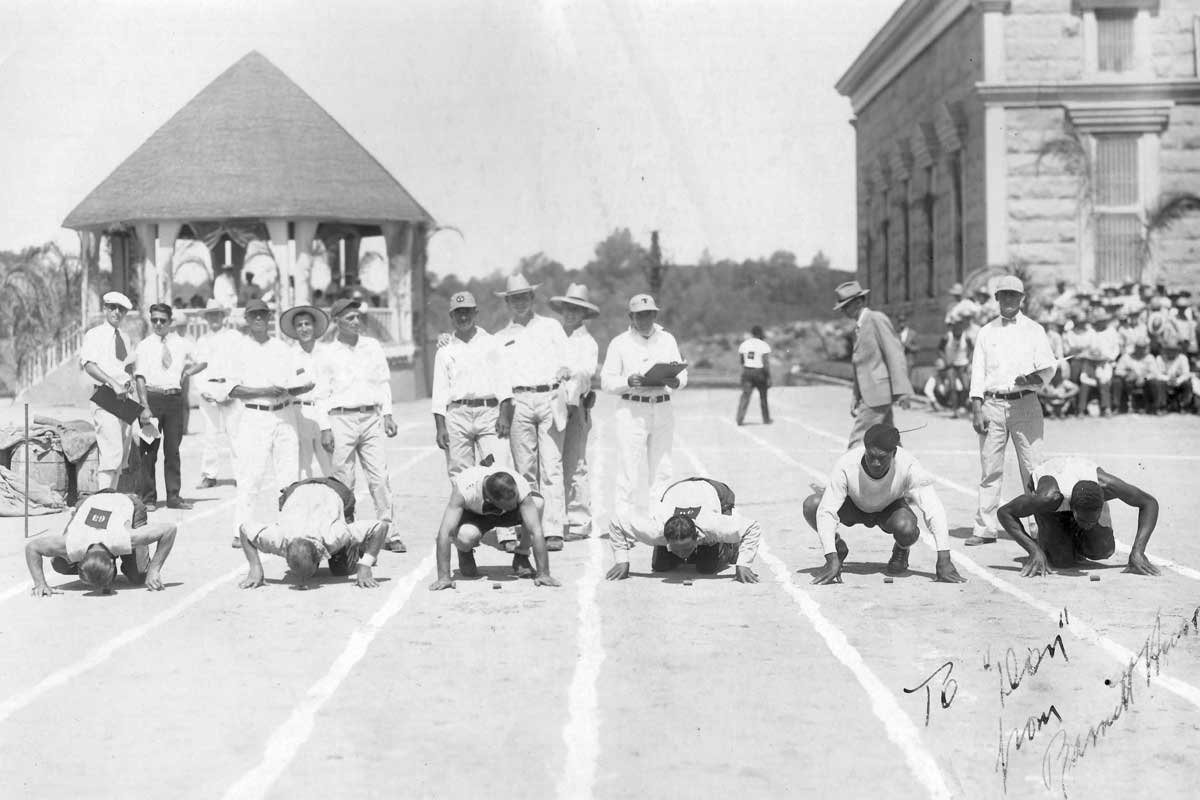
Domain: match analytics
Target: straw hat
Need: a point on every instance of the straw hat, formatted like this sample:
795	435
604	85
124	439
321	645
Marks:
287	320
848	291
577	295
516	284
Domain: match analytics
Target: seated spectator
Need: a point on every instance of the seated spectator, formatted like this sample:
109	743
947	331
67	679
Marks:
1178	378
1057	397
955	352
1138	381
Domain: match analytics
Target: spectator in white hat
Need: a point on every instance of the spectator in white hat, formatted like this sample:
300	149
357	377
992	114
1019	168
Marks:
645	422
306	325
1012	361
583	357
106	355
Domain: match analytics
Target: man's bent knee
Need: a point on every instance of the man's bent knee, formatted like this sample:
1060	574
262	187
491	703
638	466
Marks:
810	507
467	537
902	524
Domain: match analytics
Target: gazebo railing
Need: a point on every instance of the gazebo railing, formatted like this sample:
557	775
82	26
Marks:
50	356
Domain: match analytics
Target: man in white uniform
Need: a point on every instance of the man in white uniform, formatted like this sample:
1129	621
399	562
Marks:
583	357
307	324
316	521
755	355
645	423
104	527
471	398
535	361
876	484
356	408
107	357
483	499
694	522
1068	496
217	348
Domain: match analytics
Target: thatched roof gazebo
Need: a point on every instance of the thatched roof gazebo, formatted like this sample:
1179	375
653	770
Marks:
252	156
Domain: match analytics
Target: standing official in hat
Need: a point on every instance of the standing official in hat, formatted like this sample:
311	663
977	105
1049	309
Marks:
305	325
645	421
217	348
1012	361
107	357
583	356
355	407
536	363
471	397
880	366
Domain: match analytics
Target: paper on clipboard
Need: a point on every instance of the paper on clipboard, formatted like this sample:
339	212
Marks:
658	374
149	431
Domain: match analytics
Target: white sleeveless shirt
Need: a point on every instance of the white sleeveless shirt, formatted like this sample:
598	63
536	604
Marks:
106	519
470	485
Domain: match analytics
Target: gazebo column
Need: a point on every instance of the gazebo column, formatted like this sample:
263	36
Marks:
278	231
398	237
305	233
350	266
168	232
147	268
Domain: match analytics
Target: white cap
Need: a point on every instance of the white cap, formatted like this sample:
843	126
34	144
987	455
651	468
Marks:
1009	283
117	299
641	302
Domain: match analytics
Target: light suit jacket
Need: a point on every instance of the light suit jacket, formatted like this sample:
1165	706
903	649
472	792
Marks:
880	369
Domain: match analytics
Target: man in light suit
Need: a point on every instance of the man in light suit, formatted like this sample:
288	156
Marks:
880	368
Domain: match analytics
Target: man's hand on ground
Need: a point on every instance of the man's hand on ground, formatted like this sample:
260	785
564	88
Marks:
1140	565
618	572
153	581
1035	565
830	573
545	580
745	575
441	583
253	580
365	579
945	572
43	590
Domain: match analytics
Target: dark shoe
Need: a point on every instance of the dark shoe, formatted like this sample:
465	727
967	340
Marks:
843	549
181	505
522	567
466	564
395	546
554	543
898	563
206	483
975	541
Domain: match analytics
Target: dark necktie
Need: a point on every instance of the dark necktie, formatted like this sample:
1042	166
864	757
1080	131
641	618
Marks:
122	353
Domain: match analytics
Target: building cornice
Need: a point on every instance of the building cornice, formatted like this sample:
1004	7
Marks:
1113	5
914	26
1016	95
1129	117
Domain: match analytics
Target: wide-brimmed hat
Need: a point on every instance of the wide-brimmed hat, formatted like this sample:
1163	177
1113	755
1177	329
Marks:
287	320
213	308
517	284
845	292
1009	283
576	295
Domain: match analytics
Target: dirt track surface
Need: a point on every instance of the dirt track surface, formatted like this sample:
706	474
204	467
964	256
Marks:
643	688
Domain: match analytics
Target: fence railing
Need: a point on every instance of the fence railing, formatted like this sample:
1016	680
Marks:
37	365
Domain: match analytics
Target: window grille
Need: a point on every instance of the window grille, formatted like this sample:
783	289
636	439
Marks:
1114	40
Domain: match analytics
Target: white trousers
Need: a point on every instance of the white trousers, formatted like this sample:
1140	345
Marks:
220	422
472	431
1020	420
112	445
575	469
361	434
537	454
268	459
645	435
314	459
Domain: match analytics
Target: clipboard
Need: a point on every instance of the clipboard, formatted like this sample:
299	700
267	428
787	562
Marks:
122	408
658	374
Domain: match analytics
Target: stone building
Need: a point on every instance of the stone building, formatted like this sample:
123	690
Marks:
1037	136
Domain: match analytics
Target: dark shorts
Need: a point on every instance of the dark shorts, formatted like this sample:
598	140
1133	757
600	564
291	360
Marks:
1064	542
850	514
485	522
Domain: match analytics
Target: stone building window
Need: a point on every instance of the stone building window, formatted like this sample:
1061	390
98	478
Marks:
1114	40
1118	206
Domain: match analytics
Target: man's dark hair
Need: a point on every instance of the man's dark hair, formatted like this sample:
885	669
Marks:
1087	496
162	308
98	569
302	558
679	528
882	437
501	489
757	332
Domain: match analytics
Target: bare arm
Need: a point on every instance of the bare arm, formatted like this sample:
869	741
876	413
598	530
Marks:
93	369
164	534
450	522
372	545
1117	489
254	578
35	551
531	518
1045	500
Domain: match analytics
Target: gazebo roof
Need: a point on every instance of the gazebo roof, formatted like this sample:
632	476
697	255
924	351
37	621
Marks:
251	144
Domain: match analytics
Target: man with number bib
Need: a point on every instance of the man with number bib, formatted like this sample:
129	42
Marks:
104	527
694	522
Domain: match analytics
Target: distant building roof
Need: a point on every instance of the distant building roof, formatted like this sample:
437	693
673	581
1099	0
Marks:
251	144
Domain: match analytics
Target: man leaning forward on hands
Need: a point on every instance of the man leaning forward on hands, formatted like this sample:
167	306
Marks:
481	500
1068	496
694	522
877	484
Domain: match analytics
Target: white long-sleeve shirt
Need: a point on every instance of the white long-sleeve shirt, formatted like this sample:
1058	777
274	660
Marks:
906	479
468	371
635	525
269	363
533	353
583	357
352	376
630	353
1004	351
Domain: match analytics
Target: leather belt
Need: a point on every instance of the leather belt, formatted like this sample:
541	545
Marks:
642	398
541	387
490	402
304	402
1008	395
216	380
257	407
353	409
167	392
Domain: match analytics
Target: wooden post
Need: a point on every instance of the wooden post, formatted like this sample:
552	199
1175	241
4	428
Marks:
147	268
419	258
168	232
306	232
27	470
278	230
398	238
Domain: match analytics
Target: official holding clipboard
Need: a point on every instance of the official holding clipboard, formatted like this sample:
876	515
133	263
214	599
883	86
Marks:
106	355
643	367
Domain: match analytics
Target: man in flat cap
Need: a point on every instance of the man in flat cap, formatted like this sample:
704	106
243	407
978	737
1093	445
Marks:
583	358
471	398
106	355
880	366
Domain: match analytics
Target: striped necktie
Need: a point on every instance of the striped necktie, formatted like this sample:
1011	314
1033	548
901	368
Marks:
166	354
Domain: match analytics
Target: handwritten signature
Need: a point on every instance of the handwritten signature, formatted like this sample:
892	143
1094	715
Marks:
1017	737
948	690
1011	673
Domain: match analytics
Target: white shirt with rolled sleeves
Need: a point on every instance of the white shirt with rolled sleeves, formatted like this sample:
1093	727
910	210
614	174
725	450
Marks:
533	353
631	526
1004	351
148	358
583	357
99	346
906	479
349	377
312	511
630	353
468	371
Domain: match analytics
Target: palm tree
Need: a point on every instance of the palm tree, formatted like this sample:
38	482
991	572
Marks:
40	287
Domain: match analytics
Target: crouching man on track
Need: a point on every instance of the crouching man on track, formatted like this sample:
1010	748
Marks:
1068	497
482	500
694	522
876	484
104	527
316	522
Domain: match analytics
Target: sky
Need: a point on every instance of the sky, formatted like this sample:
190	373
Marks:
528	126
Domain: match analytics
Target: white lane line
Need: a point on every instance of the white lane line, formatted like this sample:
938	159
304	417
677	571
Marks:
582	731
15	590
900	728
288	738
1079	627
